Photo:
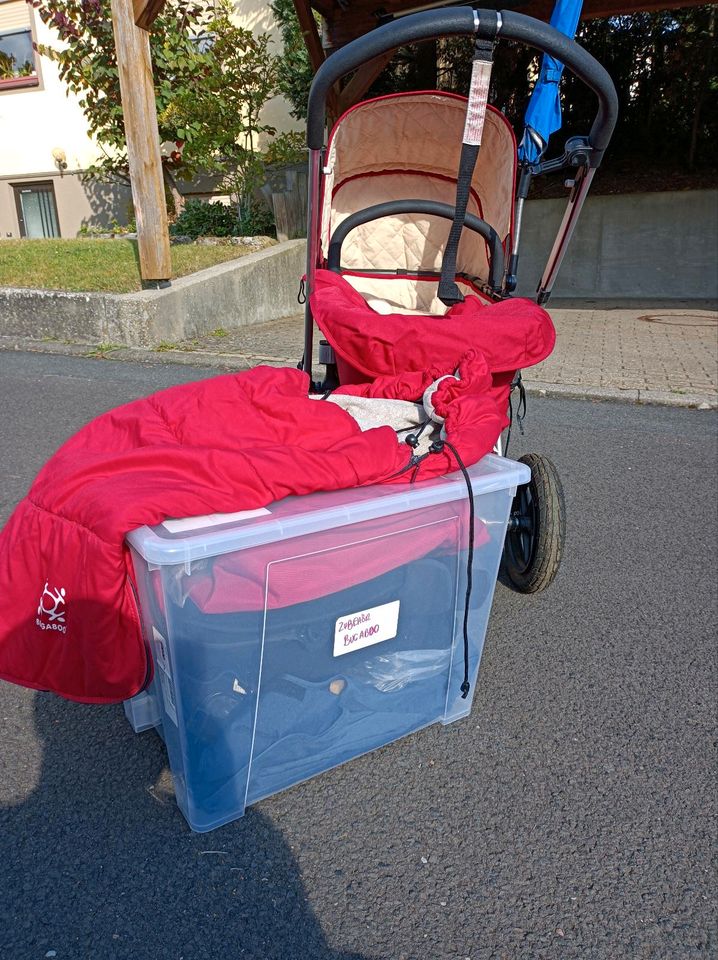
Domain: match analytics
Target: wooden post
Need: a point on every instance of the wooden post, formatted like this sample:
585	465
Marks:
146	12
143	142
361	81
308	26
310	32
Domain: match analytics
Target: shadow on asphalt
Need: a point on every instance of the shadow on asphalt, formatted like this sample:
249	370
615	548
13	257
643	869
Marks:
99	862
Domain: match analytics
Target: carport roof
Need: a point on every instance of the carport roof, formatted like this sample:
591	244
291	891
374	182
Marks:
345	20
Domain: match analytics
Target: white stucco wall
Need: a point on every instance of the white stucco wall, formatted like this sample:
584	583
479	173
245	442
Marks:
36	120
257	16
254	15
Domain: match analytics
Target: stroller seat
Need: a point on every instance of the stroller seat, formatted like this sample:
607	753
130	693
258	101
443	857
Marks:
406	147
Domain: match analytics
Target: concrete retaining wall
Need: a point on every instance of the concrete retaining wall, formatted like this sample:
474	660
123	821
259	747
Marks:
630	246
653	245
258	287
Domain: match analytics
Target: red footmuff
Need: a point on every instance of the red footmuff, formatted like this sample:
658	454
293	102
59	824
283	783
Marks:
68	612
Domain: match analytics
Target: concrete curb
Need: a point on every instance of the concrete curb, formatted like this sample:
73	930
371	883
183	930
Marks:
663	398
189	358
244	361
254	289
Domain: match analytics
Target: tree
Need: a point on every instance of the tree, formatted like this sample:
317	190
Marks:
211	80
667	88
294	66
662	63
223	112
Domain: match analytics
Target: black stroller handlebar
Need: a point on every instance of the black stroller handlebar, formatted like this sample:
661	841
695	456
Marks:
460	21
430	208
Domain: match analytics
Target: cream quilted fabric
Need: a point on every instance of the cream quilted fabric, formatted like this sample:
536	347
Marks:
408	147
403	295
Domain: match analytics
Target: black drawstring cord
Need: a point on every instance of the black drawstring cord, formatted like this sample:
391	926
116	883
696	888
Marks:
414	461
517	382
511	422
436	447
412	439
521	406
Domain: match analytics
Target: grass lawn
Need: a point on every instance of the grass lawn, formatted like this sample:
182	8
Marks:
111	266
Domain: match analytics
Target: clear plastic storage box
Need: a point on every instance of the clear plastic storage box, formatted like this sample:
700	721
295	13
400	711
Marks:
289	639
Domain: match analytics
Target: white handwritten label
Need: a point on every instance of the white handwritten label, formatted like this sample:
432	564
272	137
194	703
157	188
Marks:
365	628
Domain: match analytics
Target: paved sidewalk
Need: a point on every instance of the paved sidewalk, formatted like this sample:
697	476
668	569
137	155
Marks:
648	350
640	352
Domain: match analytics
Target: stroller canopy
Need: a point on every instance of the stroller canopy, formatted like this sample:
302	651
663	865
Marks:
407	146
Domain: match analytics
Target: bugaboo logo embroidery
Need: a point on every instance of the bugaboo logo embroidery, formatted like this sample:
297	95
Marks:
51	609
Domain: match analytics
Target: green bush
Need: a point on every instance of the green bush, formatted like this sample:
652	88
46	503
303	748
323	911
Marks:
205	219
202	219
258	221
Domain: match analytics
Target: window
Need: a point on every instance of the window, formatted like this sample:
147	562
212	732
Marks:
18	67
36	210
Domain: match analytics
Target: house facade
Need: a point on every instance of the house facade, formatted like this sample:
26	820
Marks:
44	142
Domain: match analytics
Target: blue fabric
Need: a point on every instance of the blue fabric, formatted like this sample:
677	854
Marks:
299	726
543	114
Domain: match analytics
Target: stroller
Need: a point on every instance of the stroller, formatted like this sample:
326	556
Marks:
258	686
414	203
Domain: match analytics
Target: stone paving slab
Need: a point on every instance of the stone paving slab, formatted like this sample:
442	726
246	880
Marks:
648	352
644	348
669	349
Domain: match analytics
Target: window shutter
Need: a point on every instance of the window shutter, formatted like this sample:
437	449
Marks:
14	15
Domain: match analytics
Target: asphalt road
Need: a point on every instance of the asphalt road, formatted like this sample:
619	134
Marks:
571	816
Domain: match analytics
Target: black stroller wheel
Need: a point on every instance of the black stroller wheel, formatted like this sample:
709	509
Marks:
537	528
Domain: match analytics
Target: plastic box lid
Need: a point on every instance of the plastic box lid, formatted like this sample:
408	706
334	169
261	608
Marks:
186	540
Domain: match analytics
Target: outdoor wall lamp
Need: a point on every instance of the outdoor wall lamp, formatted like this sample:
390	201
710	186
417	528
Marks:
60	158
